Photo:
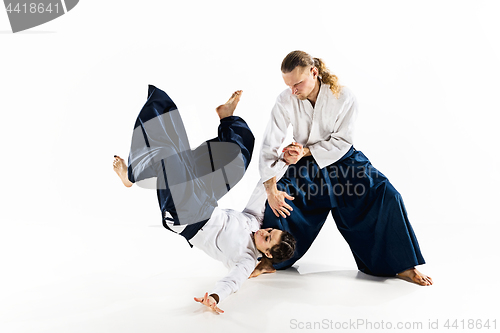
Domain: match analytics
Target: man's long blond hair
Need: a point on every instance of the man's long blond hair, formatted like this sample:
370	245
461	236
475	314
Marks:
303	59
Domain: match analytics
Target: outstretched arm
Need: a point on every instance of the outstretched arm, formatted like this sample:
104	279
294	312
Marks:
240	271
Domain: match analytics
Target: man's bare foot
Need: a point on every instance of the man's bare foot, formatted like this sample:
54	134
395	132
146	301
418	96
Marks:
264	266
226	110
120	168
413	275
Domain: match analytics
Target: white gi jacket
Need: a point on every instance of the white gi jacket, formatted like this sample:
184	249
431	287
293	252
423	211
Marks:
325	129
227	237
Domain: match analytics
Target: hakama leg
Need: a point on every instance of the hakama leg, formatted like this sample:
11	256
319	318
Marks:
311	205
372	218
188	182
367	209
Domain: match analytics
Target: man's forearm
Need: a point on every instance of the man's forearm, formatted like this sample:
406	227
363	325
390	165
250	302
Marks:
270	185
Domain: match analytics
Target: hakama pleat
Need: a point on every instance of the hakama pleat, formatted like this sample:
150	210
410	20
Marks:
310	207
367	209
188	182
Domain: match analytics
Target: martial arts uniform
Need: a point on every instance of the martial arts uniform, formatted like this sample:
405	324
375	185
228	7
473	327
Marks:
227	237
337	178
189	183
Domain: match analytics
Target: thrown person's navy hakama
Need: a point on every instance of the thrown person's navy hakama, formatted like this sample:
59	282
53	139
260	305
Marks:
188	182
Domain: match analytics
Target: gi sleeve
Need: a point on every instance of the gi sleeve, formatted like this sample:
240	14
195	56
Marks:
256	206
238	273
271	163
330	150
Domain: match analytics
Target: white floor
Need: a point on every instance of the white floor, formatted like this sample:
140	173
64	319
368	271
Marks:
141	278
80	253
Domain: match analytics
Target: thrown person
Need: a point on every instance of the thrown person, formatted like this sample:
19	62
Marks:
322	173
189	183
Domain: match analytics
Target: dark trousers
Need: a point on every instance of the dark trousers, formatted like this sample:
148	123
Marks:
188	182
368	210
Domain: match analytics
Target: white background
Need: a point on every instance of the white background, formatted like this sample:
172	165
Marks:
81	253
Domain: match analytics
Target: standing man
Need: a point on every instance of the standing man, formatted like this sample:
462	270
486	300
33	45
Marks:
322	172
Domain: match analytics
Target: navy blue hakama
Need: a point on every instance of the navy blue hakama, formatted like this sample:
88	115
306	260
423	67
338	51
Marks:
188	182
368	210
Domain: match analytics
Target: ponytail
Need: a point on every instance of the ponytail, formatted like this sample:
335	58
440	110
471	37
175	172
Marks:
327	77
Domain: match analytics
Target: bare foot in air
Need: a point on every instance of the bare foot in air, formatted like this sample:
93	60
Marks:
226	110
413	275
120	168
264	266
